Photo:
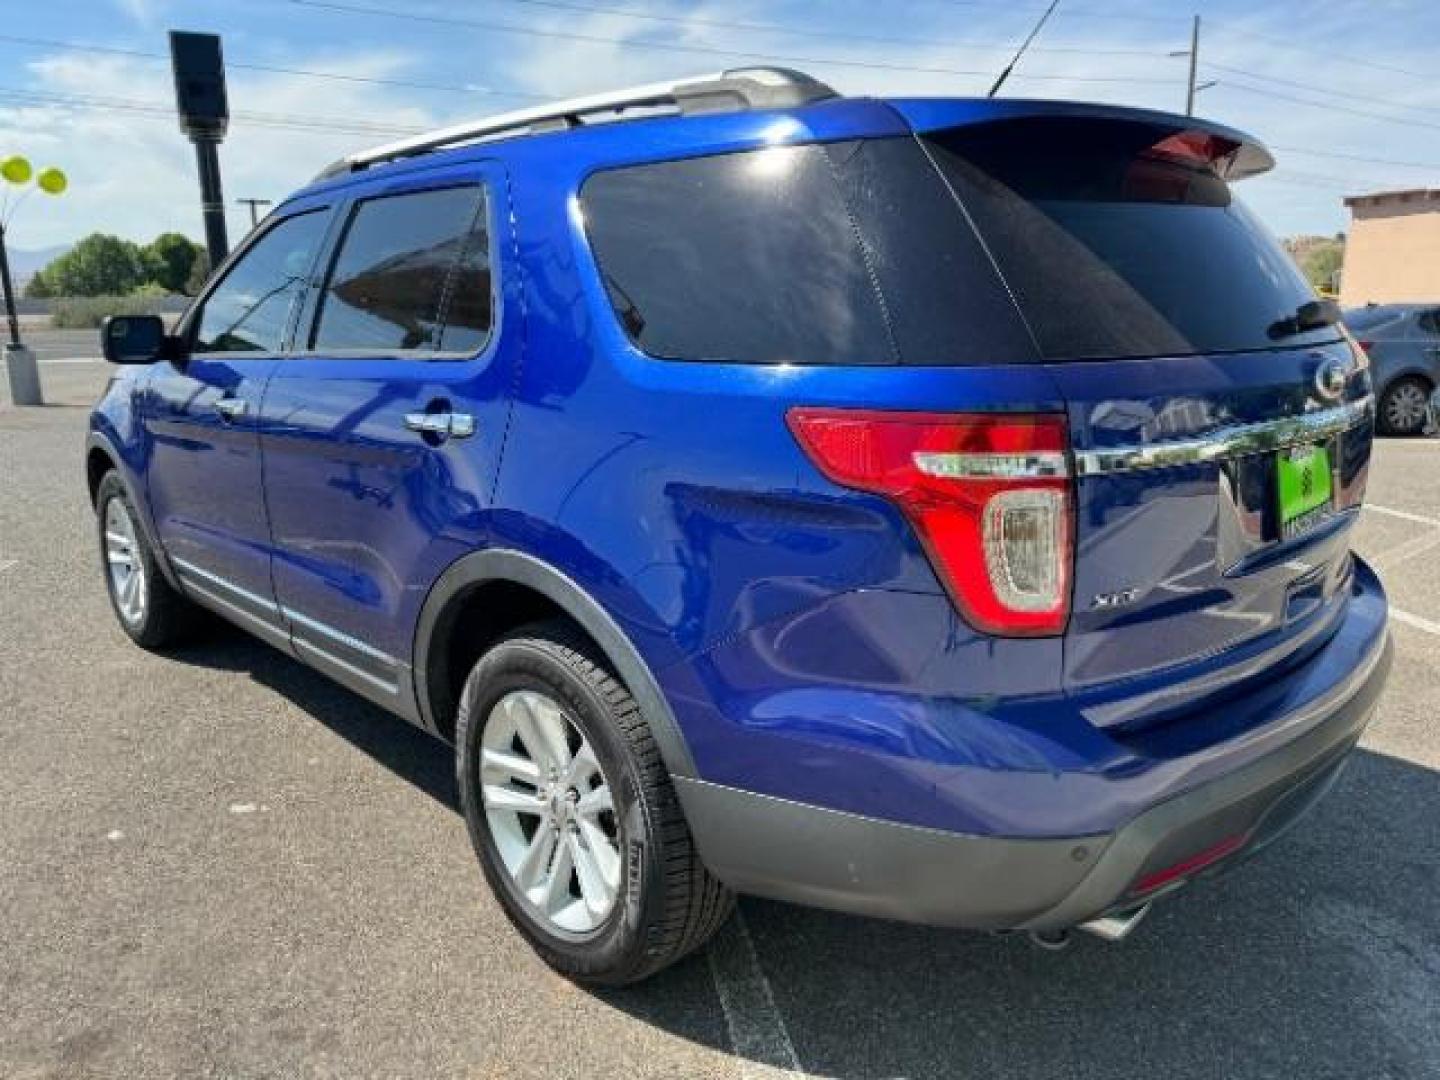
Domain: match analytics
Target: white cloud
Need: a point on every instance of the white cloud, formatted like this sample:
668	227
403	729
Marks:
134	174
1304	194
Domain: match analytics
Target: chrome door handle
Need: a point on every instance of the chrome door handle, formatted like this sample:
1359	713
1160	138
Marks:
232	408
453	425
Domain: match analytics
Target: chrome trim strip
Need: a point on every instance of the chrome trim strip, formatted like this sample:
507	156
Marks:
338	637
1227	442
981	466
266	628
389	688
259	601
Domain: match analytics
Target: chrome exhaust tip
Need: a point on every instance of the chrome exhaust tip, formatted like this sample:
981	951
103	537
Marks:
1115	927
1049	940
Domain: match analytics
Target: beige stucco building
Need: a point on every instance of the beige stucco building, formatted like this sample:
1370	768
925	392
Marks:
1392	252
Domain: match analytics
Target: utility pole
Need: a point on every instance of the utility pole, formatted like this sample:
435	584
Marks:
1194	60
254	204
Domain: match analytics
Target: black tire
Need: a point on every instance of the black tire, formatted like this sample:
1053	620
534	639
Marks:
668	903
167	618
1392	419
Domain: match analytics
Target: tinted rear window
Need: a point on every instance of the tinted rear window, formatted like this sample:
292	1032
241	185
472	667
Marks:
1114	251
847	253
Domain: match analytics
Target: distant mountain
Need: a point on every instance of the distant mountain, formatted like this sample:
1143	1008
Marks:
26	264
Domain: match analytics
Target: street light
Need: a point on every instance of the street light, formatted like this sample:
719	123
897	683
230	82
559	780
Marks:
20	367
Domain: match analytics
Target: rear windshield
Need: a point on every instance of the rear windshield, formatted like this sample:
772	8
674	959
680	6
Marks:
846	253
1113	249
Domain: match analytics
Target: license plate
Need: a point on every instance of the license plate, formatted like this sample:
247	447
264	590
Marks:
1306	488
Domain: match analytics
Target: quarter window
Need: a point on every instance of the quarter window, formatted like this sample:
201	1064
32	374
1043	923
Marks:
250	309
412	275
844	253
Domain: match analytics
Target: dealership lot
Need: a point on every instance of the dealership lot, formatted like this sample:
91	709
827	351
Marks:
218	863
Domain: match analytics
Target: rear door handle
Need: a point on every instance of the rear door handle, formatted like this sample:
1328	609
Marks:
232	408
444	424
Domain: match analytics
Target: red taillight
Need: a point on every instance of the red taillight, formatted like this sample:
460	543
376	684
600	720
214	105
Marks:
1365	346
988	494
1194	148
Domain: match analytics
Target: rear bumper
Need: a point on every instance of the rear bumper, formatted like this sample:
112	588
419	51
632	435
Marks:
849	862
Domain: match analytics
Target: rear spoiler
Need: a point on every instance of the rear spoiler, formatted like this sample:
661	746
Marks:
1233	154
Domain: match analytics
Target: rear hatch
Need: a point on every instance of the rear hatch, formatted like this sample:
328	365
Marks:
1220	422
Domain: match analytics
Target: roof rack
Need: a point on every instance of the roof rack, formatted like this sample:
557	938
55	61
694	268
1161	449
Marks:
725	91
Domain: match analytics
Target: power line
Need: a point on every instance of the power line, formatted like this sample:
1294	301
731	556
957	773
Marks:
835	35
1068	13
698	50
1259	91
48	43
1337	57
1318	89
1430	165
165	111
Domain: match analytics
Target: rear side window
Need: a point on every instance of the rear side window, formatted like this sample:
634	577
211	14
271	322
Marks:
847	253
412	274
1114	247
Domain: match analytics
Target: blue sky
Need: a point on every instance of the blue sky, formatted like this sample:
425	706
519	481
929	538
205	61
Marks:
1343	90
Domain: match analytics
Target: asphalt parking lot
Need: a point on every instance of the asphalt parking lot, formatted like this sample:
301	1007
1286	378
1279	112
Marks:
216	863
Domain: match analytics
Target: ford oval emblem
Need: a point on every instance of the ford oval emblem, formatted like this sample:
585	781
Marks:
1331	377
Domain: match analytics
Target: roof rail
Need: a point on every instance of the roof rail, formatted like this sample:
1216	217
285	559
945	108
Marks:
735	89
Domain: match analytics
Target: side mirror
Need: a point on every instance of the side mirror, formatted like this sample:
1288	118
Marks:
137	339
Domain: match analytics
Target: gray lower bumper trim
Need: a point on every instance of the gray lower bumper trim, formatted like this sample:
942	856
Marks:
830	859
793	851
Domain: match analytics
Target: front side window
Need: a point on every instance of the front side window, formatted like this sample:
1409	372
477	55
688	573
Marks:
250	309
412	275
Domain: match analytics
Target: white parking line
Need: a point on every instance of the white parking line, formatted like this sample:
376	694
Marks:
757	1031
73	360
1404	515
1416	545
1428	625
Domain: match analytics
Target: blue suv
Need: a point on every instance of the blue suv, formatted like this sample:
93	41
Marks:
937	510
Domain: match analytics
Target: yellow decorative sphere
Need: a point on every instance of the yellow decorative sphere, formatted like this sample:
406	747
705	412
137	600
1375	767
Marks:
15	169
52	181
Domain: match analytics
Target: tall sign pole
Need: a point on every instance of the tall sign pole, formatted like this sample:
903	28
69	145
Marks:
200	100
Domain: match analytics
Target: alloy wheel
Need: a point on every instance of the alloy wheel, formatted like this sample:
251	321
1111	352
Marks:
122	558
550	812
1405	407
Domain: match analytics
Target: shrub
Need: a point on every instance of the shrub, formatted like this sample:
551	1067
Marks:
87	312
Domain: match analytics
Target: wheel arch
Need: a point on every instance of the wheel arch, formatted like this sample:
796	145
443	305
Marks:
540	590
1419	374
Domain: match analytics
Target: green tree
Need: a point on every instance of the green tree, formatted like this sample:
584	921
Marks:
99	265
1323	263
169	260
38	287
199	273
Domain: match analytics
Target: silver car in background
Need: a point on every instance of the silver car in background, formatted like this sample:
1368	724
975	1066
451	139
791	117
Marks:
1403	342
